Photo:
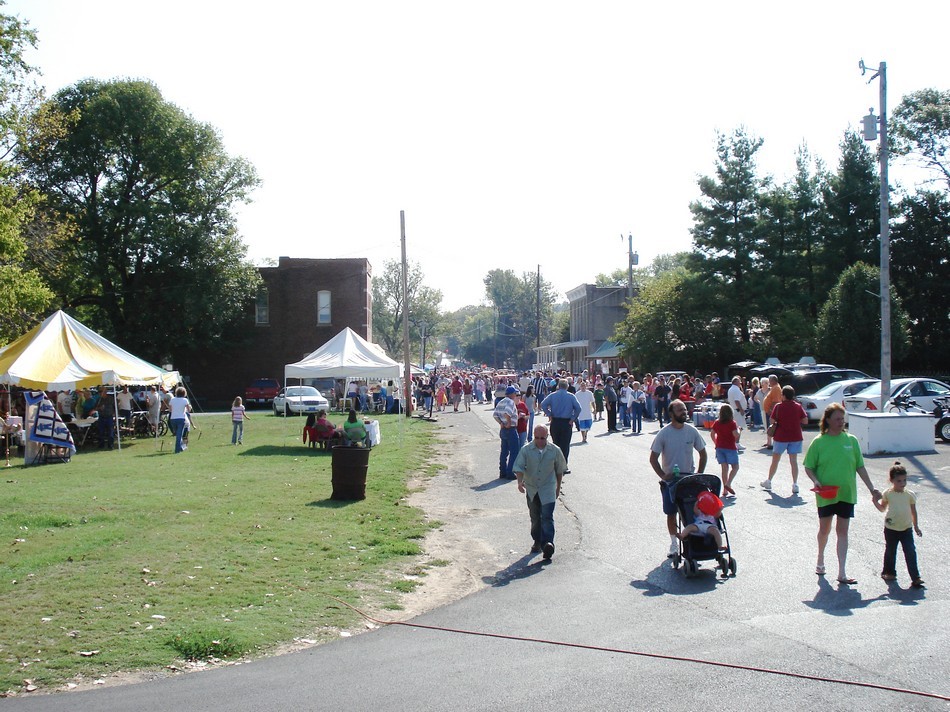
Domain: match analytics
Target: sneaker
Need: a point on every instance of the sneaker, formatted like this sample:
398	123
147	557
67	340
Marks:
536	548
794	489
767	485
674	549
547	551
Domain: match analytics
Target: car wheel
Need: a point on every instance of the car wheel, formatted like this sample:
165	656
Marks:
287	411
944	430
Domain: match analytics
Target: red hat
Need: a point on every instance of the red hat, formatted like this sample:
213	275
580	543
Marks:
709	504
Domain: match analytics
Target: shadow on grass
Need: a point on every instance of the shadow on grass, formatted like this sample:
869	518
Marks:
267	450
333	503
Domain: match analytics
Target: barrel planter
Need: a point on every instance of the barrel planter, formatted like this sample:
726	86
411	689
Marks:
349	467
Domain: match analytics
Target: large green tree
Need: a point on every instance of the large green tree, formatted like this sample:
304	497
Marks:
673	323
522	310
849	325
156	262
920	270
389	308
921	128
726	227
852	211
24	295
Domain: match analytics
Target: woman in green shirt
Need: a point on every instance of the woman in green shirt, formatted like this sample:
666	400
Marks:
833	458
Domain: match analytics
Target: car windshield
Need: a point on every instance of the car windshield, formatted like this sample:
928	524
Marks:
302	391
830	389
875	390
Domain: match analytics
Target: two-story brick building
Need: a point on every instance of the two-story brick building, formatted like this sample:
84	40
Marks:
302	305
595	313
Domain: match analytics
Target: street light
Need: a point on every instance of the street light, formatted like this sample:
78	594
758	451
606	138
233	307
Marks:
870	134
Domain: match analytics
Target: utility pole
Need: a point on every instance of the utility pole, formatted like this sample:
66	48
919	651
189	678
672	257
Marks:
537	311
632	259
870	134
407	371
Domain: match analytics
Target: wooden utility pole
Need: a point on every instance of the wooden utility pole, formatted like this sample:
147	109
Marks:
407	377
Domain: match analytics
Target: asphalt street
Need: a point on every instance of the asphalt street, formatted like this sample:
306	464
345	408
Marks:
611	589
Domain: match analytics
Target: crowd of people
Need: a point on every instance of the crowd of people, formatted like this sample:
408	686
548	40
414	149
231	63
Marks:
833	462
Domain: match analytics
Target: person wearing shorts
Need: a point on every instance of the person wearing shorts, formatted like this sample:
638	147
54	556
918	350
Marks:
833	458
788	417
673	447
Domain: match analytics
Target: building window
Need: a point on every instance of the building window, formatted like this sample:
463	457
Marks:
323	307
262	308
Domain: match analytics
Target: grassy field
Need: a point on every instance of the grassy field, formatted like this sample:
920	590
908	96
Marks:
131	560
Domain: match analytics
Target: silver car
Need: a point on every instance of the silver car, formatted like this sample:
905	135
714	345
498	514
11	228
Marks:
297	400
815	403
921	390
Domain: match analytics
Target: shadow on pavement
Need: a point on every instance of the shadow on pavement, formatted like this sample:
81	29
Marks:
789	502
839	600
492	484
520	569
664	579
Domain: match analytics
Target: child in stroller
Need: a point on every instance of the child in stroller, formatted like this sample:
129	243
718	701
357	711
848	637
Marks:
702	528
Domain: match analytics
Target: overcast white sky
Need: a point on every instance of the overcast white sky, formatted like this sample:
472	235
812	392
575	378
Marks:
513	134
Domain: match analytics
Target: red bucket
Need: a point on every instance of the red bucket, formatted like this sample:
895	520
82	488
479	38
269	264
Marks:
709	504
826	491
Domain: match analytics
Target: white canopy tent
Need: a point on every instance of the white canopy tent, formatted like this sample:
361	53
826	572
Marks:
346	355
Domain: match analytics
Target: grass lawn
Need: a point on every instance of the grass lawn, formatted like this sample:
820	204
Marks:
130	560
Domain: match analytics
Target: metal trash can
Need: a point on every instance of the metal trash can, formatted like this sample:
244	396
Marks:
349	466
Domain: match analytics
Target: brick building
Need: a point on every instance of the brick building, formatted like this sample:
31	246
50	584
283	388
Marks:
595	313
302	305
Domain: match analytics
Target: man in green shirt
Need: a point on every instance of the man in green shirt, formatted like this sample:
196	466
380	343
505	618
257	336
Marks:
539	467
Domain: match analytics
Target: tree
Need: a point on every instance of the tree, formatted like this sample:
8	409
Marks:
849	325
389	307
673	323
725	229
521	306
852	209
155	262
24	295
920	269
921	127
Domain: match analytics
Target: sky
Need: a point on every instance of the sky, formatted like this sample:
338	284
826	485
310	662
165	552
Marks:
514	135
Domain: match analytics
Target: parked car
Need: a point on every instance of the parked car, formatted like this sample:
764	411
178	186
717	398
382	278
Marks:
297	400
262	390
921	390
835	392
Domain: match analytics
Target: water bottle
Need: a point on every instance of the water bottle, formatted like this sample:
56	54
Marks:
676	472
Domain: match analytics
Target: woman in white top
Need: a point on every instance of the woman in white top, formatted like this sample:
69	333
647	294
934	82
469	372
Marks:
586	418
179	407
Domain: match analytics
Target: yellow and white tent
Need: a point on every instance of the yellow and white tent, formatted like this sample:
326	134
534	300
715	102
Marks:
62	354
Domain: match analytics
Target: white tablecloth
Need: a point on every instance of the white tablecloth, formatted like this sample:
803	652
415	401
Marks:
372	429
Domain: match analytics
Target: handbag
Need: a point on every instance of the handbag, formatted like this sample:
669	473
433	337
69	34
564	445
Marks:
772	428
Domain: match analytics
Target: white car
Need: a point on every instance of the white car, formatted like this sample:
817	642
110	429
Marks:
835	392
921	390
297	400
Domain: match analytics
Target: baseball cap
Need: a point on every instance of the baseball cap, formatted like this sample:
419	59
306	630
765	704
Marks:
511	389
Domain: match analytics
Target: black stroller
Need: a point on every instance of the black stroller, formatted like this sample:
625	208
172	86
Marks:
696	548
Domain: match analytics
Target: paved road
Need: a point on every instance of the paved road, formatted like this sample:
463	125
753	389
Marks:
610	586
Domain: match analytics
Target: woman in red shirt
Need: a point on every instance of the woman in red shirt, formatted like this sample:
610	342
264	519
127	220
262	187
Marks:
725	436
788	417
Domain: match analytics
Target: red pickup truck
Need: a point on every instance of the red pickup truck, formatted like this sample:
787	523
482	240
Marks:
262	390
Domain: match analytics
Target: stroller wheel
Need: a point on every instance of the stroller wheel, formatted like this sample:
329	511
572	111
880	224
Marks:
689	568
732	566
677	560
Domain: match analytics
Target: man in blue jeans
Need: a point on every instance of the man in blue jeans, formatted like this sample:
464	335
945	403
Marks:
539	467
506	414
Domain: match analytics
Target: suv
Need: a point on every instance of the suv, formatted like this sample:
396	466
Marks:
262	390
808	380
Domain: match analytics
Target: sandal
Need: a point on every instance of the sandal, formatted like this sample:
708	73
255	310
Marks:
847	581
820	570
